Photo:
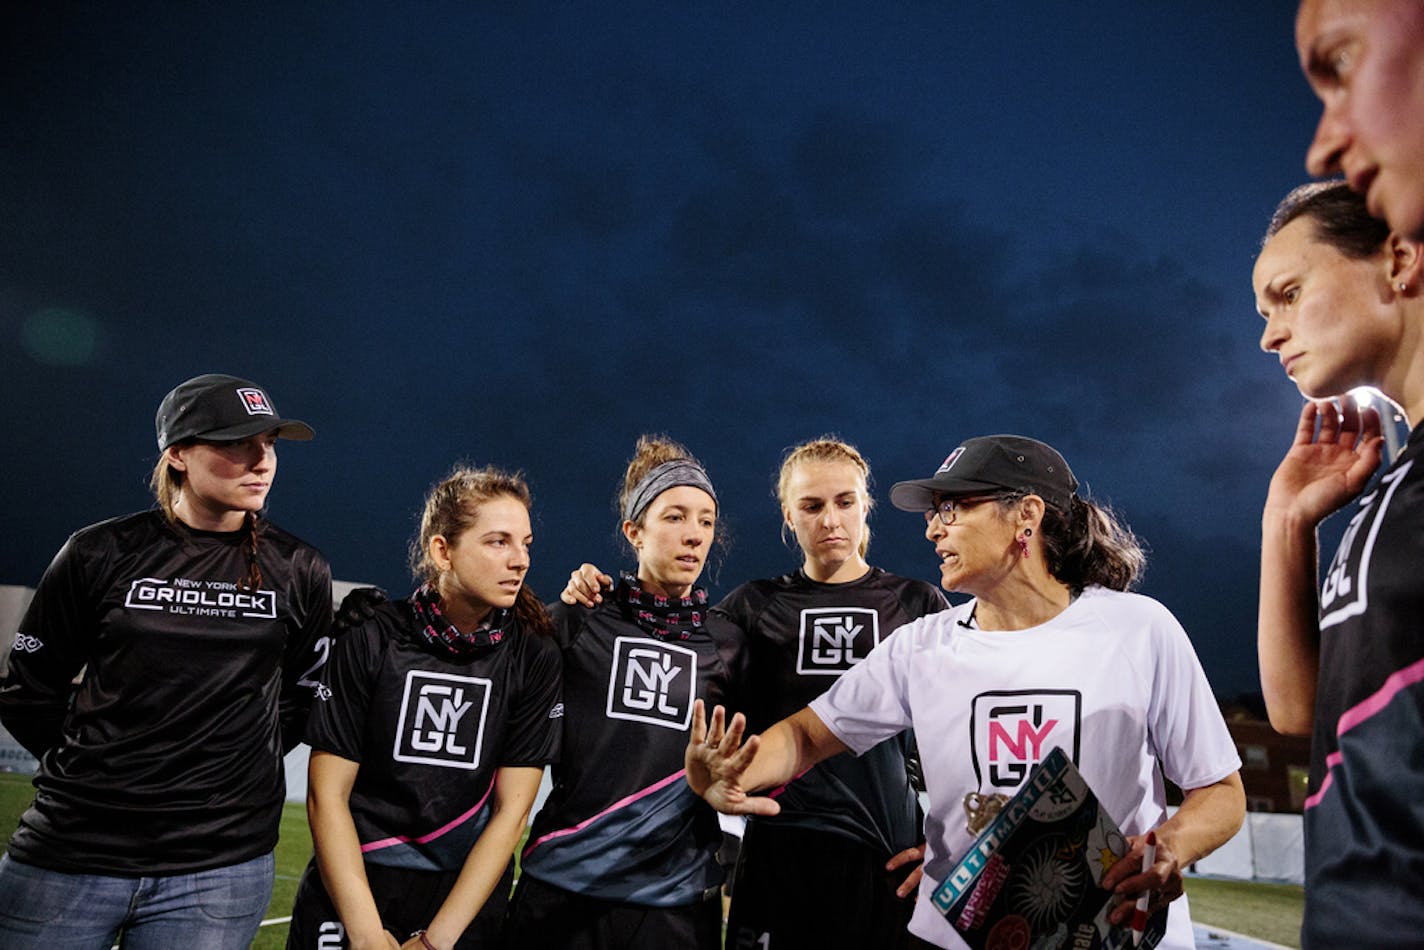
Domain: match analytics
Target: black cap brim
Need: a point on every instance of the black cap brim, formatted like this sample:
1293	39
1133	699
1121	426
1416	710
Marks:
919	495
293	429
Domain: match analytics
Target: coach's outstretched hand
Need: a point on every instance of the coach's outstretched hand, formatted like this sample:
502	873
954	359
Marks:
717	759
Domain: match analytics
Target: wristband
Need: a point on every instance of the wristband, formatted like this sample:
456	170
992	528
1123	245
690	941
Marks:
424	942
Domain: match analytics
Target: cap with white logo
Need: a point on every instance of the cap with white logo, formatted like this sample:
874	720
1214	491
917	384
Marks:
993	463
221	409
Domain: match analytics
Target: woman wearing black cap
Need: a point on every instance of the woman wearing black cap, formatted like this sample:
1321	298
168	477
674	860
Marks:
196	631
1051	651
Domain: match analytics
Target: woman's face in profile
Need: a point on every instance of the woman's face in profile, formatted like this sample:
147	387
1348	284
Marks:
978	550
1365	61
1329	318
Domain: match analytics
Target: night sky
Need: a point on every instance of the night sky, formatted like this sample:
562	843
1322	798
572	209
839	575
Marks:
523	234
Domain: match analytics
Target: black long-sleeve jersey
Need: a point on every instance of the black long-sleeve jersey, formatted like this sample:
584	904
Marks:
167	756
621	822
802	635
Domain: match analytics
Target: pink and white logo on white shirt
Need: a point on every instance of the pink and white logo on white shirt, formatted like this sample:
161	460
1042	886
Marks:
1014	730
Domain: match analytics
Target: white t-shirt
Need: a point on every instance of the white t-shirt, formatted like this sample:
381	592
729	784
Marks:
1112	679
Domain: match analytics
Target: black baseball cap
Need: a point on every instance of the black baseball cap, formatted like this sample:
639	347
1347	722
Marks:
221	409
992	463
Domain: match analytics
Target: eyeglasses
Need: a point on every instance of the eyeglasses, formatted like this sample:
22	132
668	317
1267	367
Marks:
948	508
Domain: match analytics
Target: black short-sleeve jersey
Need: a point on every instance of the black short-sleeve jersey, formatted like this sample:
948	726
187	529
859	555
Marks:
1364	821
802	635
431	731
621	823
168	757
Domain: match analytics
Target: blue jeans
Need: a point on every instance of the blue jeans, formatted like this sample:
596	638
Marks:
219	909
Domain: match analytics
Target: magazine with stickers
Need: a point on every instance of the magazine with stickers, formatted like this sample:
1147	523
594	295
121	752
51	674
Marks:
1030	880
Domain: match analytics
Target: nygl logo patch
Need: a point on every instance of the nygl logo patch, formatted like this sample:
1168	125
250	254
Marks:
833	639
652	682
255	402
1012	731
442	720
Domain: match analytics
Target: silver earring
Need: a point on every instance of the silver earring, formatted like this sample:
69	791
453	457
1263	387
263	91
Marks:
1403	286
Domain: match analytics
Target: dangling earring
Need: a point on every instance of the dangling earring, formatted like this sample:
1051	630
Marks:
1023	540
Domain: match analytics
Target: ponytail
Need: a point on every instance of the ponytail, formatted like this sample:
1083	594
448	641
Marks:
166	482
253	580
1089	546
529	612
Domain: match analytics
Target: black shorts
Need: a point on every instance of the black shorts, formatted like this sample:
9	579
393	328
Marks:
544	917
797	888
406	900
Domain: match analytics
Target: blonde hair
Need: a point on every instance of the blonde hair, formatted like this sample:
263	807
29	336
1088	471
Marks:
166	482
827	448
452	506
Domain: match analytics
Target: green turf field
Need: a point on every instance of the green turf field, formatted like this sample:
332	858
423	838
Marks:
1268	911
1265	911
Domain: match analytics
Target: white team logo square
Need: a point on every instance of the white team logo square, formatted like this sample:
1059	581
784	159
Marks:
1012	731
652	682
442	720
833	639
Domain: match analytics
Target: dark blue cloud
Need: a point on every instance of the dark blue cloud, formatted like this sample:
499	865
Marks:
525	235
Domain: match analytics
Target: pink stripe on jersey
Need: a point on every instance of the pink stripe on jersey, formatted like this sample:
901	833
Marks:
426	838
1398	680
1362	712
1332	760
662	783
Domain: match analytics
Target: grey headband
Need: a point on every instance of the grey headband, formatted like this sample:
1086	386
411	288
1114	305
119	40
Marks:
660	479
